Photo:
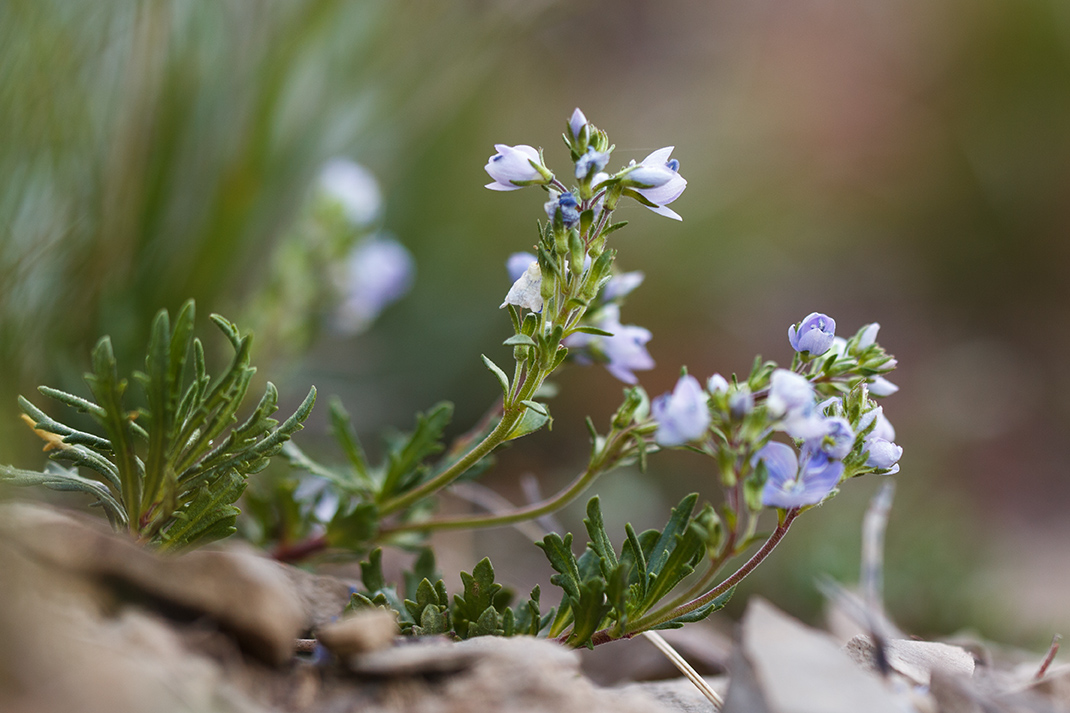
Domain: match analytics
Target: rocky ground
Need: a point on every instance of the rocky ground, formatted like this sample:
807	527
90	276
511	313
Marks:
91	622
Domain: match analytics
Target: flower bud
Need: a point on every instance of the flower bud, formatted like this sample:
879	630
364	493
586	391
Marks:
813	335
591	163
563	210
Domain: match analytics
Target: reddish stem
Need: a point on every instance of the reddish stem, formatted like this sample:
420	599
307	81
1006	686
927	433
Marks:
301	550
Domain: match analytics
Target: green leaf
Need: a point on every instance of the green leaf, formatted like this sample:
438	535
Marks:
343	432
489	623
677	525
699	614
208	517
108	390
354	529
519	340
559	552
588	612
503	380
56	477
371	572
531	421
480	590
600	542
404	461
587	329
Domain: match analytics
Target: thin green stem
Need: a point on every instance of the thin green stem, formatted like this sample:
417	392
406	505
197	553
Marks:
510	417
610	456
665	614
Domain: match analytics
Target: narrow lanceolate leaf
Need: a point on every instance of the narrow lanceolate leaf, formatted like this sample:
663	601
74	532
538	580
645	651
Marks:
677	524
158	389
43	422
600	543
503	380
700	613
108	390
210	516
58	478
346	435
404	466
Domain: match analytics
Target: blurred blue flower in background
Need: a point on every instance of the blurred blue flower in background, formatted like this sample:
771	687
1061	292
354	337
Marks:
683	415
378	272
354	188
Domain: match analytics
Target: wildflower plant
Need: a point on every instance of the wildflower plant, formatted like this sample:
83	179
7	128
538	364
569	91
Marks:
169	471
781	441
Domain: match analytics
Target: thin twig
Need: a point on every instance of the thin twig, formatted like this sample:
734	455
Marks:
1052	650
685	668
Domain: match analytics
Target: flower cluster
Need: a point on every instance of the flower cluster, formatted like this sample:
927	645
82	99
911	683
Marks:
571	266
824	406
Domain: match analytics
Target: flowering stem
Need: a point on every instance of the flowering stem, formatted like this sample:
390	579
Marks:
609	456
669	613
511	415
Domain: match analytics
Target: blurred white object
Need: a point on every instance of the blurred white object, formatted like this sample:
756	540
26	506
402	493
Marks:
354	187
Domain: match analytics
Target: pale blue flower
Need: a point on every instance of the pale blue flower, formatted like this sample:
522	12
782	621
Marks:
879	443
791	402
354	188
576	123
814	334
624	352
621	285
513	165
883	454
565	206
794	482
837	440
517	263
378	271
591	162
658	180
683	415
879	386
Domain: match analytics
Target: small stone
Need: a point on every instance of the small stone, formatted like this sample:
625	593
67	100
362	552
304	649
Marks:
359	633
